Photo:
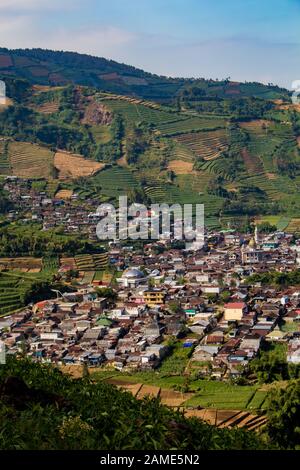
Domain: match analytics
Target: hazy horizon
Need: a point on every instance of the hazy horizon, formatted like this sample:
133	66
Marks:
246	41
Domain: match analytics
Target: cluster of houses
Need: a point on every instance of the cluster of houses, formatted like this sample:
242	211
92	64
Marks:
34	205
202	298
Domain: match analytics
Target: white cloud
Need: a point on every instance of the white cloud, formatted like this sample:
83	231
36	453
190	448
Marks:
19	6
241	58
101	40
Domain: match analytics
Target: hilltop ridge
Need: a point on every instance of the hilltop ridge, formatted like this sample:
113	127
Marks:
47	67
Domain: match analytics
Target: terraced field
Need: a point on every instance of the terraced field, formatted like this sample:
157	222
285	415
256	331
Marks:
205	145
263	183
64	194
133	111
49	107
93	263
190	124
30	160
252	162
265	137
13	288
115	181
4	160
216	167
293	226
24	264
181	167
50	264
182	152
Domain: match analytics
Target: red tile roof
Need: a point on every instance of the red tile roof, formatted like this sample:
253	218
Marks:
235	305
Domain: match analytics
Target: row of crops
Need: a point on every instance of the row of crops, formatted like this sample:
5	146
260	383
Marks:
4	160
91	262
30	160
13	289
114	180
207	145
133	113
190	124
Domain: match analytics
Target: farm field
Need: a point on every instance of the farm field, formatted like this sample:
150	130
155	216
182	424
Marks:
13	289
4	159
49	107
190	124
30	160
91	263
181	167
136	111
115	181
280	222
64	194
75	166
294	226
24	264
202	393
205	145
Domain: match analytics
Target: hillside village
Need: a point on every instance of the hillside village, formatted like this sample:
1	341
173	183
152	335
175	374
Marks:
201	299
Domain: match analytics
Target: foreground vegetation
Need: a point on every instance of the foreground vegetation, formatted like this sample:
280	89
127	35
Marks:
43	409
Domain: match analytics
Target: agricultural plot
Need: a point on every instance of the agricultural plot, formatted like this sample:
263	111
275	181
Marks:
252	162
181	167
259	127
93	263
283	223
182	152
101	134
52	187
263	183
195	183
265	137
49	107
216	167
205	145
64	194
220	395
280	222
13	289
68	264
75	166
190	124
4	160
133	111
50	264
293	226
88	277
115	181
30	160
24	264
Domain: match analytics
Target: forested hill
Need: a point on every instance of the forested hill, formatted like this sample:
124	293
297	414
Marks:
46	67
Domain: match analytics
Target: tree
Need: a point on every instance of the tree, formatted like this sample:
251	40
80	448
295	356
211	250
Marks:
108	293
175	306
284	415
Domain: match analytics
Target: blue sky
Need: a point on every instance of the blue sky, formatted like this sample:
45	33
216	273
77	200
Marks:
243	39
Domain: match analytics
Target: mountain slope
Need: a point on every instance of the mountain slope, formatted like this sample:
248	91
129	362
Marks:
236	156
48	67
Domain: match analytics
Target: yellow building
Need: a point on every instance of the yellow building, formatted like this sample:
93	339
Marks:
234	311
154	297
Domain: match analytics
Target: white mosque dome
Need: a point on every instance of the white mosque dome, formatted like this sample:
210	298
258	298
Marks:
133	273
